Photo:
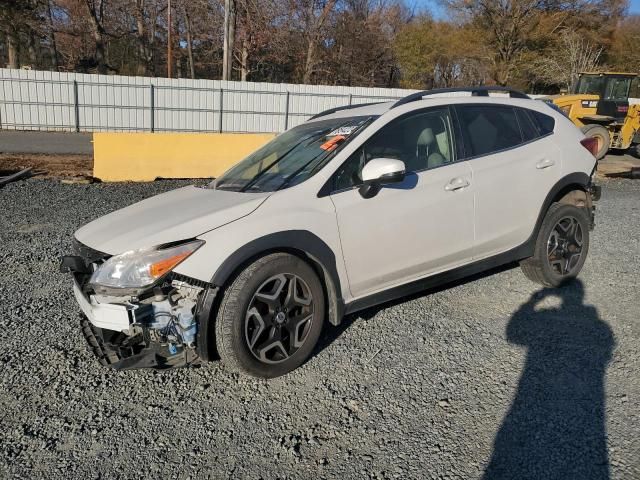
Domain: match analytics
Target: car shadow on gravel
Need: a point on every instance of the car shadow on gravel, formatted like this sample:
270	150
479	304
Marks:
555	427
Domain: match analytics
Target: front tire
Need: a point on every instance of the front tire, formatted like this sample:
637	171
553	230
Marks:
270	317
561	246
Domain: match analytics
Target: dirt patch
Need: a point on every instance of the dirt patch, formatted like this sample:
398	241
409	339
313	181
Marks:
618	166
63	165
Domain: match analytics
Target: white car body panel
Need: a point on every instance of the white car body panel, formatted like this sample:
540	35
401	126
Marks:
510	189
380	242
407	230
284	211
176	215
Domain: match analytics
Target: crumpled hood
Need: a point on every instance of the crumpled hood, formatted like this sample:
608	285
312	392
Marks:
176	215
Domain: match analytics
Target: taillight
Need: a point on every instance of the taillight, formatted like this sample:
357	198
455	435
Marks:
591	144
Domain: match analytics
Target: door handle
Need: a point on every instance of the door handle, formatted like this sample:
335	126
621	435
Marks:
456	184
546	163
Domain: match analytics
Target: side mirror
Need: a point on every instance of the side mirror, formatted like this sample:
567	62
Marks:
378	172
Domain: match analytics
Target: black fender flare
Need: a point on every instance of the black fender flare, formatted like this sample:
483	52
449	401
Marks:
564	185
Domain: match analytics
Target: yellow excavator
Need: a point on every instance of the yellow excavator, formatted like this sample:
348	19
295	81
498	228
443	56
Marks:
606	106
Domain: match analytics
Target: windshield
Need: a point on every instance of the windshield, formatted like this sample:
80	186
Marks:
617	88
609	87
590	85
291	157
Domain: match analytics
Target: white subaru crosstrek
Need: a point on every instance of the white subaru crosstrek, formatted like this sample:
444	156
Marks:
355	207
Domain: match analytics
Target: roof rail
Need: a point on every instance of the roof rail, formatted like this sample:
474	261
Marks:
475	91
337	109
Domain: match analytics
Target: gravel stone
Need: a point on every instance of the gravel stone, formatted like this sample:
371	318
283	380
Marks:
490	377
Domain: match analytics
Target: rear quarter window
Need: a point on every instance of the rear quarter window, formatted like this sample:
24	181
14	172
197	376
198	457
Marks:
529	130
544	123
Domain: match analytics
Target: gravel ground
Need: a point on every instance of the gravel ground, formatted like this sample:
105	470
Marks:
491	377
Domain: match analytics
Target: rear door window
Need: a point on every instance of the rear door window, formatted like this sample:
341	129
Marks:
488	128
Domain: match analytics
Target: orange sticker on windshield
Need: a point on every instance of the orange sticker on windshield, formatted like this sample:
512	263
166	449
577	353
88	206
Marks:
332	143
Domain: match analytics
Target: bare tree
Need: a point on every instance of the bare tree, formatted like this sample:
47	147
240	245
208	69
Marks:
624	53
14	22
96	17
52	35
229	38
342	42
188	30
146	17
572	54
316	15
508	24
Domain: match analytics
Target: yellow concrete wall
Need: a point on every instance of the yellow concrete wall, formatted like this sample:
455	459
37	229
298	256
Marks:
122	157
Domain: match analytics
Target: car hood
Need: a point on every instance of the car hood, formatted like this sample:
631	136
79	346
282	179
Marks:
176	215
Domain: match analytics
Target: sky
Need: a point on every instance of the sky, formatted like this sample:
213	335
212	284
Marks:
438	12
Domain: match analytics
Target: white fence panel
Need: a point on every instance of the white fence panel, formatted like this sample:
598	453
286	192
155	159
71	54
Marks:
38	100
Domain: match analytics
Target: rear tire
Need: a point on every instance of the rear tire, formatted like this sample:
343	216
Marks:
601	134
270	317
561	246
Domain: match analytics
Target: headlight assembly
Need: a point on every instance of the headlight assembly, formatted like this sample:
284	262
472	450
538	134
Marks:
141	268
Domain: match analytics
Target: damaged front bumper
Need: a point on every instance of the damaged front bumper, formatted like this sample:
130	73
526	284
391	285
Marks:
163	327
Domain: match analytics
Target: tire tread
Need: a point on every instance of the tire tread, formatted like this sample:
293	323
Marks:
224	330
532	267
231	304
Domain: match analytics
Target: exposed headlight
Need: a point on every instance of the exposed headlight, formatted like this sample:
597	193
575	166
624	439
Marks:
141	268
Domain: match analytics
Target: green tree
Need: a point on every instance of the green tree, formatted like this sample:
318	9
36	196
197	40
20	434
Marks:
438	54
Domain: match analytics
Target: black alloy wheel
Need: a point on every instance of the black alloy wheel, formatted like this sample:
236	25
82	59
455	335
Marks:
270	316
564	246
561	248
279	318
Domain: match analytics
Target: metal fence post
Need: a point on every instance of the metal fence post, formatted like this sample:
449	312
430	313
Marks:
286	112
76	105
350	98
152	107
220	107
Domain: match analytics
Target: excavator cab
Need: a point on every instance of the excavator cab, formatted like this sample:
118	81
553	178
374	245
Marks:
613	92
